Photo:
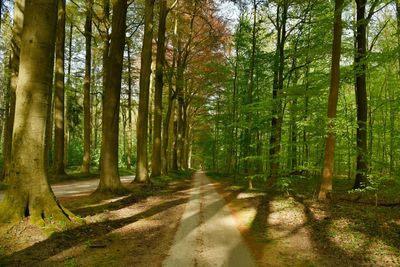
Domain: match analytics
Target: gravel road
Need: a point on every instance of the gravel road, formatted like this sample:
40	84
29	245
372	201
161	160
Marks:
208	234
69	189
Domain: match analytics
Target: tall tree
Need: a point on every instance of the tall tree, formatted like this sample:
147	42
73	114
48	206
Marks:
249	98
159	83
277	110
58	164
86	89
109	176
327	174
106	39
19	6
360	66
142	174
29	193
129	136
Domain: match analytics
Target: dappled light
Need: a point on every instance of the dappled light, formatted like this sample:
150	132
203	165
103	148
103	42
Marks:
185	133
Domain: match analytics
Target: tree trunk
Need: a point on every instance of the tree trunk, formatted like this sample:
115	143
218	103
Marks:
145	73
67	130
29	193
129	136
361	95
106	39
166	127
249	100
179	91
174	165
87	128
19	6
109	176
59	119
159	83
327	174
277	112
293	135
186	140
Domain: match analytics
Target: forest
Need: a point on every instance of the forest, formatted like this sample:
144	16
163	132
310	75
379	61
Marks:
133	126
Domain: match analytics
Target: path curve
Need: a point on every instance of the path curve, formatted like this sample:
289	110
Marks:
77	188
208	233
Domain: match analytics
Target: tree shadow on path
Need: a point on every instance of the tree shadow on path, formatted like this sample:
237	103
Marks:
61	241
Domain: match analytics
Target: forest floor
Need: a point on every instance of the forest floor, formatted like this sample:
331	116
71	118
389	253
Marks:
208	234
289	227
281	228
133	230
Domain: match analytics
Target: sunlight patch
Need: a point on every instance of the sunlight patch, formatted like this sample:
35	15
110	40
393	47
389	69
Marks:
245	195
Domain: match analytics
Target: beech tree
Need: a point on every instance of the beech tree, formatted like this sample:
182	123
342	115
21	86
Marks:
277	90
19	6
327	173
86	85
159	83
142	174
109	176
59	133
29	193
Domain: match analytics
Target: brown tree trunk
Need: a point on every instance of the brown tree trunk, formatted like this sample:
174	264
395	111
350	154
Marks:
59	118
87	128
29	193
360	66
19	6
106	39
249	99
67	130
327	174
129	136
145	73
277	112
185	143
166	128
109	176
159	83
174	164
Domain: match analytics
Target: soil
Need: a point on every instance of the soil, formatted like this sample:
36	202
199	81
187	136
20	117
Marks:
285	229
281	229
208	234
133	230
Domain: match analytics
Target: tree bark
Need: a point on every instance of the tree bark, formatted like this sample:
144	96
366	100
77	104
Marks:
85	168
166	127
249	99
174	164
19	6
29	193
327	174
109	176
159	83
145	73
129	136
106	39
59	118
277	112
67	124
360	66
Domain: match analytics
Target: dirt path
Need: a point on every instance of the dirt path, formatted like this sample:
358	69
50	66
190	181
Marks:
208	234
76	188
